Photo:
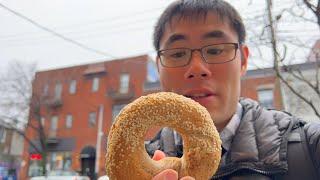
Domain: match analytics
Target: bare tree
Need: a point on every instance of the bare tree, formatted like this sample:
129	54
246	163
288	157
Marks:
302	80
314	8
21	108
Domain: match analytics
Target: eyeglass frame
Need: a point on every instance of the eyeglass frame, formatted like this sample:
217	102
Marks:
236	45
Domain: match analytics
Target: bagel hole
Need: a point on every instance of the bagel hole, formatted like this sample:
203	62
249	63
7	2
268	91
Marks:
152	132
173	141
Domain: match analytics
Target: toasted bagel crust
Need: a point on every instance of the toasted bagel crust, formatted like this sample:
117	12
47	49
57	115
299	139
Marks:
126	155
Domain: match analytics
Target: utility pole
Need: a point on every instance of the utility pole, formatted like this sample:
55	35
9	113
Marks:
99	134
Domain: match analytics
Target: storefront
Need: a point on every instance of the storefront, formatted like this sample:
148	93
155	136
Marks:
9	169
59	157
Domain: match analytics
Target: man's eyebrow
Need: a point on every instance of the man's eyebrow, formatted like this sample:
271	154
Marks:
173	38
214	34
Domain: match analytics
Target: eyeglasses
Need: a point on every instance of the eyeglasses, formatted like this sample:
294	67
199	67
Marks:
211	54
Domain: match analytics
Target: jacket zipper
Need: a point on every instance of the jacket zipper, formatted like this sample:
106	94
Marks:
249	168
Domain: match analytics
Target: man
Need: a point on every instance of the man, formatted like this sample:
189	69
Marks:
202	55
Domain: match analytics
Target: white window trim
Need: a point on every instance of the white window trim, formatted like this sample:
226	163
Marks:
268	90
58	90
73	87
43	121
69	119
90	119
95	84
124	83
56	123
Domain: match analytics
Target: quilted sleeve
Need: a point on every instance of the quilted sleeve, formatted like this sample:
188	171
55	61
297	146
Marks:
312	131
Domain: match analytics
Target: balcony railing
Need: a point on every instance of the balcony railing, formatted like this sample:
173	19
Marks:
115	94
52	134
55	102
52	137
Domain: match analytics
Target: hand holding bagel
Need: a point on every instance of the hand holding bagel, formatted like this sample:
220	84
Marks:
168	174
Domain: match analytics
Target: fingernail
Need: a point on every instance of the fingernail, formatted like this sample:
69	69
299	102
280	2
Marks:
171	176
187	178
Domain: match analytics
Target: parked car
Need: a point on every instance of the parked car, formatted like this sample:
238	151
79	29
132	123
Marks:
103	177
61	175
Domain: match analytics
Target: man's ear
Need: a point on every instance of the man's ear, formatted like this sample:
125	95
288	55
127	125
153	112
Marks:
244	58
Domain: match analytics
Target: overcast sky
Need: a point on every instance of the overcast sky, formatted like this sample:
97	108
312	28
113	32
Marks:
114	28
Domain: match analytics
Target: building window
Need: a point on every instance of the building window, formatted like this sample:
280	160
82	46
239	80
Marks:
2	135
265	98
69	120
152	72
95	84
54	123
42	121
73	87
59	161
116	110
53	126
58	91
92	119
35	168
124	83
46	90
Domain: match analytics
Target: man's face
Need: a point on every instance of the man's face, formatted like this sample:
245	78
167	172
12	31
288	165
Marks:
214	86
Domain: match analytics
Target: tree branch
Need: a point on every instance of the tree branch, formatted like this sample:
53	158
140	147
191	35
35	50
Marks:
310	6
21	133
310	103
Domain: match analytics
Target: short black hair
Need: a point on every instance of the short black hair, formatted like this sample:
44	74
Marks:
196	8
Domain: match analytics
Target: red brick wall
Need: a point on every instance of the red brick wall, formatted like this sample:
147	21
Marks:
250	86
85	101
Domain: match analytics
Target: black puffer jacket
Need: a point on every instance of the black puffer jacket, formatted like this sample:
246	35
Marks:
268	144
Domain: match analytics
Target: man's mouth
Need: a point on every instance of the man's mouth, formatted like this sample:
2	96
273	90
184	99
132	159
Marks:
198	95
202	96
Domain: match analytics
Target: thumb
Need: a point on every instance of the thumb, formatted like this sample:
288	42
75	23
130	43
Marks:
168	174
158	155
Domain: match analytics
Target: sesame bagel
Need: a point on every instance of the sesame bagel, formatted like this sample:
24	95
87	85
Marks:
126	155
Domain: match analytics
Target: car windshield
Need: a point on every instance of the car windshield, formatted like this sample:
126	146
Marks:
62	173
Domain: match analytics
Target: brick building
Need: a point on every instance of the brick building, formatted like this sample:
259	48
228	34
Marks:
80	100
262	85
77	102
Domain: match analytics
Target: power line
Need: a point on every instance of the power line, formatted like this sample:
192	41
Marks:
55	33
89	23
81	36
116	18
114	29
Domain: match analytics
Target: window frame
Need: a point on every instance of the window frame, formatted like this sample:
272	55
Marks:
58	90
95	84
92	121
124	83
73	86
69	121
56	118
263	101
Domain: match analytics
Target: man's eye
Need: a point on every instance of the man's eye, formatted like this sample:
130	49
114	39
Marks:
178	54
214	51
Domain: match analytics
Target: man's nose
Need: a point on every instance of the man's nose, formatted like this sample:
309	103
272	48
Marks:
197	67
